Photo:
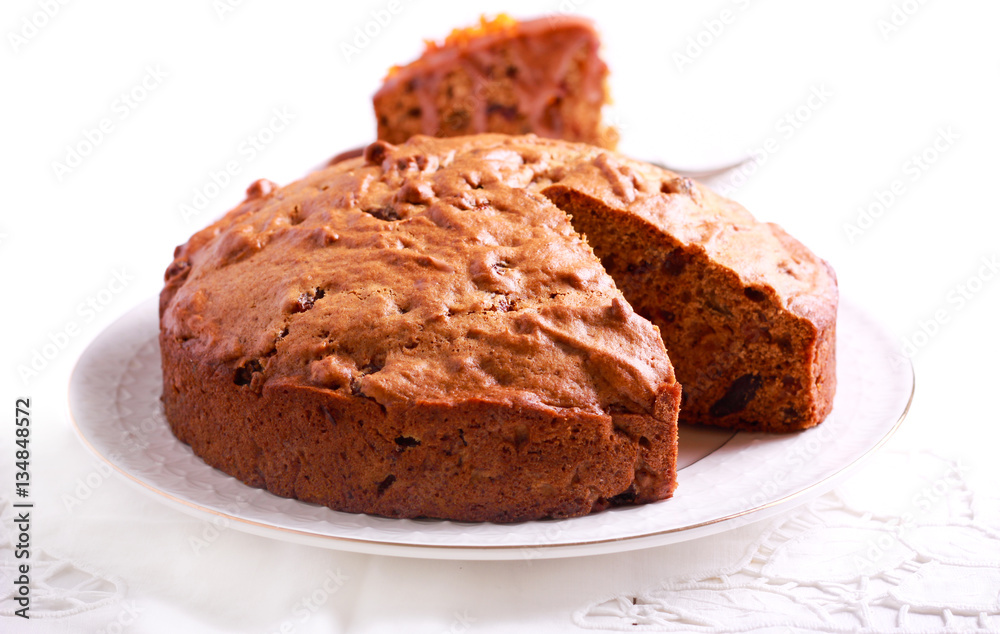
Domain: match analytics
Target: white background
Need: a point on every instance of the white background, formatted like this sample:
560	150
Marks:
694	84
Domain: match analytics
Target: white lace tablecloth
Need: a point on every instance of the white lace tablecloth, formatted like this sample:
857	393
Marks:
928	561
874	132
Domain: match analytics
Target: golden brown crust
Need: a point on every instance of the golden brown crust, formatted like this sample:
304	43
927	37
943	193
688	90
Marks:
469	460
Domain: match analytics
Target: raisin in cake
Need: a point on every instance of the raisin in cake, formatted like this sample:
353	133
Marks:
542	76
419	332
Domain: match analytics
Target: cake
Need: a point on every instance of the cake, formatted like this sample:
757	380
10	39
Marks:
541	76
473	328
418	332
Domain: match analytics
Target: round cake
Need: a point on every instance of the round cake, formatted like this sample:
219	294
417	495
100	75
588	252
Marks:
473	328
418	332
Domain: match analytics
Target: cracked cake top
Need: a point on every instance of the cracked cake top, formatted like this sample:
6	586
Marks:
436	270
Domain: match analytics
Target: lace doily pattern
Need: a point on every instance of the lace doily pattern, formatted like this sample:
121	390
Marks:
59	588
838	565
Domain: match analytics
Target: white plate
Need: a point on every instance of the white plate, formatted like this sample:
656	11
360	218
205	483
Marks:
726	479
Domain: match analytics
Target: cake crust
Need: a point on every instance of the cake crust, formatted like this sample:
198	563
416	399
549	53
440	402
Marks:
473	460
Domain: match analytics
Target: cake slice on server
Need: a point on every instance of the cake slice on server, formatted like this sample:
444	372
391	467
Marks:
542	76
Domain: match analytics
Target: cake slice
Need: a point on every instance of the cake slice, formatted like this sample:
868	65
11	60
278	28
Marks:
747	312
542	76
